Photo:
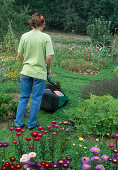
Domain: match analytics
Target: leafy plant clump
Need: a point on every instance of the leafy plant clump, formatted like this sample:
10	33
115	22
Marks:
8	107
101	88
97	115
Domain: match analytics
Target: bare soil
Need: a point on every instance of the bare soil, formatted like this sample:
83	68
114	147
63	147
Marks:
67	36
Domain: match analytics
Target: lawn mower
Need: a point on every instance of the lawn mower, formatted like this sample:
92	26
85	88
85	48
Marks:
53	97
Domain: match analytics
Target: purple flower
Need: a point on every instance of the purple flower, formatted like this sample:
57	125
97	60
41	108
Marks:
86	166
60	123
65	165
37	165
95	150
115	150
65	122
110	159
60	161
5	144
85	160
67	130
68	158
96	159
115	160
1	144
105	157
55	165
100	167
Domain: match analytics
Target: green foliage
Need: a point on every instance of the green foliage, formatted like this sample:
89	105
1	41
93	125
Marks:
9	43
102	87
97	115
115	71
99	31
7	105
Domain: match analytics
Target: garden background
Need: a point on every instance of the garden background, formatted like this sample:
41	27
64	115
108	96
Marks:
84	36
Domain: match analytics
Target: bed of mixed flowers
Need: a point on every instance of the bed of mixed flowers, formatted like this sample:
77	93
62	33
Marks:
31	152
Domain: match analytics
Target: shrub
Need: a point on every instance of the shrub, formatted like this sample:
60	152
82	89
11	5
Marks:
115	71
100	88
97	115
6	106
99	31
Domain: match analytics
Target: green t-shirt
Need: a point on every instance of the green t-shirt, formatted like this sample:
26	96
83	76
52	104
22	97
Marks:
35	46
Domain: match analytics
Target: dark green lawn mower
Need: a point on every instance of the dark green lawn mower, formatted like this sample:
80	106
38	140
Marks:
53	97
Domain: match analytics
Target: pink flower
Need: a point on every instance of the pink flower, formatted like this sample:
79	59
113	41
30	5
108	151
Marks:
40	135
48	127
115	136
18	133
14	142
40	128
11	128
54	133
54	122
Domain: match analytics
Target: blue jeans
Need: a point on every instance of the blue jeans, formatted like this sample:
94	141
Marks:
28	85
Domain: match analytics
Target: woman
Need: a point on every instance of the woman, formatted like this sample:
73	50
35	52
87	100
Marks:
35	51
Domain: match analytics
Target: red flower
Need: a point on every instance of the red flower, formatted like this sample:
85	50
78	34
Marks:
18	129
14	142
40	128
34	134
31	147
7	164
3	167
48	127
18	166
12	167
43	163
11	128
45	131
40	135
47	165
22	130
28	139
111	145
18	133
54	122
12	159
36	139
115	136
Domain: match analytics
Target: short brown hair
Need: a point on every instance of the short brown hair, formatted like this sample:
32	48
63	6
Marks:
36	20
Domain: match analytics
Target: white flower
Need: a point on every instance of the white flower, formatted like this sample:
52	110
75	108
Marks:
25	155
24	159
32	154
81	139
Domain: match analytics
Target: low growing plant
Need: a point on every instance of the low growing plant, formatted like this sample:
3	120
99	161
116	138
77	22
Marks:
100	88
97	115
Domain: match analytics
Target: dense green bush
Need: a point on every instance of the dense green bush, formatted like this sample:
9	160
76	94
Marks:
97	115
102	87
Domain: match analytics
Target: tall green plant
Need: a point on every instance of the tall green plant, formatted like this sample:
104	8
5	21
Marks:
9	43
99	32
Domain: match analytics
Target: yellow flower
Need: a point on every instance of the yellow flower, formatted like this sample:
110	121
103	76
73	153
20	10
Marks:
85	147
80	145
73	144
107	134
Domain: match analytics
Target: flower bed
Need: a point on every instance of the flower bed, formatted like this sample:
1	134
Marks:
47	148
